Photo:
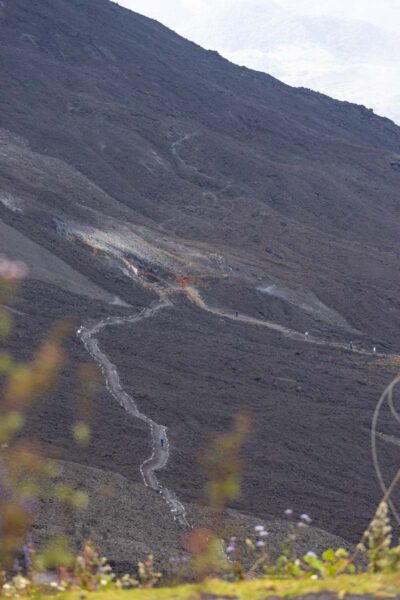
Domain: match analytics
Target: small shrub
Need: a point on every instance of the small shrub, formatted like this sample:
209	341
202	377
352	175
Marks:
377	543
147	575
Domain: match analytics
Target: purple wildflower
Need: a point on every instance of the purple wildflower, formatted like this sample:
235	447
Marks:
27	553
306	518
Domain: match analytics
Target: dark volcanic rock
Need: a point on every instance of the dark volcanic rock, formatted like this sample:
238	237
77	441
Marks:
126	149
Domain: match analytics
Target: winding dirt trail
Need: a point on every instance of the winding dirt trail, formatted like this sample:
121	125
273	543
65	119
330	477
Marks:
194	296
160	443
160	451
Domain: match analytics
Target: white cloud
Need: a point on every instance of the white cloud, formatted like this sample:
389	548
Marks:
348	49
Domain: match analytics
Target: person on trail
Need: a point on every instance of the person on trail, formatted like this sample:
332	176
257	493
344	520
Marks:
306	334
237	314
351	346
162	442
374	349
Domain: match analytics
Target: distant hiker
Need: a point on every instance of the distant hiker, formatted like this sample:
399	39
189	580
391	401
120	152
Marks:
306	333
351	345
162	442
374	349
237	314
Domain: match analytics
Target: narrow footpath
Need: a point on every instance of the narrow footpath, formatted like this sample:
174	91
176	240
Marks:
160	444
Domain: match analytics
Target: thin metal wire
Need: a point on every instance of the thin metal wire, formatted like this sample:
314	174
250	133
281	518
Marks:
392	407
387	395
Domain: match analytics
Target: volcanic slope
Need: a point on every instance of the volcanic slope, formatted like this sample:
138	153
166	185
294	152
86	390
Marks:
135	164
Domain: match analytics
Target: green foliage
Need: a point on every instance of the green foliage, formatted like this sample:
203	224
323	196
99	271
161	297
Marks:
377	543
147	575
24	473
17	587
222	468
56	554
222	465
251	558
363	585
81	434
91	570
331	563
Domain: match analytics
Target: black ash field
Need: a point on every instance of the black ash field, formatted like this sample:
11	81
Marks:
135	165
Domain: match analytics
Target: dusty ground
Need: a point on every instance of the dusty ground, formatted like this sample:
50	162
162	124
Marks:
128	521
125	149
309	444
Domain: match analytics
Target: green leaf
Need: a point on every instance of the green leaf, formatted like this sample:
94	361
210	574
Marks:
341	553
329	555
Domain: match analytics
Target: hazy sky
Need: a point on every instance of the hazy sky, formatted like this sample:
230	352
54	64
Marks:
348	49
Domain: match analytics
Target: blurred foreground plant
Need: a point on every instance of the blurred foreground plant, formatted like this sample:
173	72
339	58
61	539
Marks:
25	474
22	469
222	467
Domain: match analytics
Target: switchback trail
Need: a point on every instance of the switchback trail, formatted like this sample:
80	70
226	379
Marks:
160	451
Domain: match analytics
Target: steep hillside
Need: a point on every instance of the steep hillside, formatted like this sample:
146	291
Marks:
137	168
